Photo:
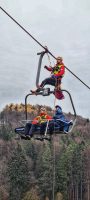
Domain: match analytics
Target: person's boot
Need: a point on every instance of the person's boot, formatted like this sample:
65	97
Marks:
37	90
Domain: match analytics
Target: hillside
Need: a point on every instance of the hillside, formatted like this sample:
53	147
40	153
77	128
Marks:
14	113
28	169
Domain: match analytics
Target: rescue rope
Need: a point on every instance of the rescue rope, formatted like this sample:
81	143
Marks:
54	169
54	161
42	46
57	87
49	59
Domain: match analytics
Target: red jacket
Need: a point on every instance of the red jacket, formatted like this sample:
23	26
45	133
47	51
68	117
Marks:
57	70
43	117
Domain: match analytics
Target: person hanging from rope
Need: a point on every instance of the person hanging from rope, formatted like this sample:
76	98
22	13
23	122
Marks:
57	73
39	121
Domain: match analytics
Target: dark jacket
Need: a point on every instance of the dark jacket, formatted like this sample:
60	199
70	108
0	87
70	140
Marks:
59	115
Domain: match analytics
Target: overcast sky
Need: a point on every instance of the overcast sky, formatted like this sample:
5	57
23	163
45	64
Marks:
62	25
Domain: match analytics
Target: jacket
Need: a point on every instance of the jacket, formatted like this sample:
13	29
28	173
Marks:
57	71
59	114
43	117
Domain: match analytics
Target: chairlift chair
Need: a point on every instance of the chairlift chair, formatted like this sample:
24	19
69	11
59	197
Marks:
45	92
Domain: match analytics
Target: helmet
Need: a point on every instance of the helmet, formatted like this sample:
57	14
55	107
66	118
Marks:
59	58
43	109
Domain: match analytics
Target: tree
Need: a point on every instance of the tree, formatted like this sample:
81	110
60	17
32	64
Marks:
69	168
3	193
6	132
31	195
59	196
46	198
18	173
44	171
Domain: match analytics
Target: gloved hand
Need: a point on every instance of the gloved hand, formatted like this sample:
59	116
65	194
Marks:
54	117
45	67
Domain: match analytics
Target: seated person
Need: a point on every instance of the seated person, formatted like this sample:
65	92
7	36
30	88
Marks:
57	73
59	119
39	121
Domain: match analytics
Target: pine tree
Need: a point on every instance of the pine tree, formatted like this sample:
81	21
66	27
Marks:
44	172
18	173
59	196
31	195
69	168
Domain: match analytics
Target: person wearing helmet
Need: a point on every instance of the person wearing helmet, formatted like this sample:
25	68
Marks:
58	113
39	121
57	73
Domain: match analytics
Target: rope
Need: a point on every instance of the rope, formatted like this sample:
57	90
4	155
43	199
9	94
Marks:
57	87
54	172
54	161
55	96
54	103
49	59
42	46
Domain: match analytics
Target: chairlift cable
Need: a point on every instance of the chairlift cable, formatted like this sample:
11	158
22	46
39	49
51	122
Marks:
42	45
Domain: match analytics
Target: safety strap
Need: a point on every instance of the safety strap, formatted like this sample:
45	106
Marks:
48	56
57	87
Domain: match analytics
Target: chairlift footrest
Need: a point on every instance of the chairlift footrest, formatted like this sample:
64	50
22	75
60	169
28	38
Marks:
39	138
43	138
47	138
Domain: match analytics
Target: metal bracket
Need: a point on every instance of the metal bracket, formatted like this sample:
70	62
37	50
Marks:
39	67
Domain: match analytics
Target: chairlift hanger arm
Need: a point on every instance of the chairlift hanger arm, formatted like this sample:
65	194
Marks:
41	45
26	102
39	66
73	107
49	93
30	94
